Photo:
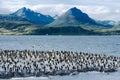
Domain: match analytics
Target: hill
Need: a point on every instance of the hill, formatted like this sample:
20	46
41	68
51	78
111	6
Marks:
33	17
73	22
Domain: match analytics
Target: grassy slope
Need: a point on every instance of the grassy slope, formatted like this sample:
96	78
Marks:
16	27
114	31
22	28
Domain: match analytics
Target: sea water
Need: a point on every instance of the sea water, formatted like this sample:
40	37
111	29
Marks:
109	45
89	44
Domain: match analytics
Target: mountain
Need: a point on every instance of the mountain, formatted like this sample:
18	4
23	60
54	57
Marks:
76	18
108	23
34	17
55	17
63	31
72	22
10	24
17	27
11	18
73	17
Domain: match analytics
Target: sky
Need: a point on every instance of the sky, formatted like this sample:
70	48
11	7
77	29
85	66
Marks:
96	9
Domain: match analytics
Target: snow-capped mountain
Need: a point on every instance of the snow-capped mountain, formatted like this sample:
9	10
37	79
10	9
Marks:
32	16
73	16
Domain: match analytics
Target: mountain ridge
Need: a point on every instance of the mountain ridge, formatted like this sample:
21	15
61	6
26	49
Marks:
74	17
32	16
72	22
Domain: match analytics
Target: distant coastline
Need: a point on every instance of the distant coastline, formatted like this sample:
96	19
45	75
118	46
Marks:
25	21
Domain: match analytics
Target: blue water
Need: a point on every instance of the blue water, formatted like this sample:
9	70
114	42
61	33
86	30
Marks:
90	44
81	76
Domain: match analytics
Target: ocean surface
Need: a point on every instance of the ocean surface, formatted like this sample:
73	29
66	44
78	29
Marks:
90	44
109	45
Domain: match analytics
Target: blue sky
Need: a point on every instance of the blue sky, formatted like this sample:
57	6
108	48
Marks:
97	9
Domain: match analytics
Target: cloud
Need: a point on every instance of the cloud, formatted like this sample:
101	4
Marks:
7	6
96	12
51	9
45	2
117	10
61	8
97	9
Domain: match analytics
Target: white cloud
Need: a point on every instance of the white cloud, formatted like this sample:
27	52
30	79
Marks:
61	8
9	6
97	9
96	12
51	9
117	10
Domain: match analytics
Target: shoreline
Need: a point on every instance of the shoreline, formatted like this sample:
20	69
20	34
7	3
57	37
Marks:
26	63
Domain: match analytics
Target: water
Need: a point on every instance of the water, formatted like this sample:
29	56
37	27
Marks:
81	76
92	44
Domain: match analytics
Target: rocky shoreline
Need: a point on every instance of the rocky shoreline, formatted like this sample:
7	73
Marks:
25	63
